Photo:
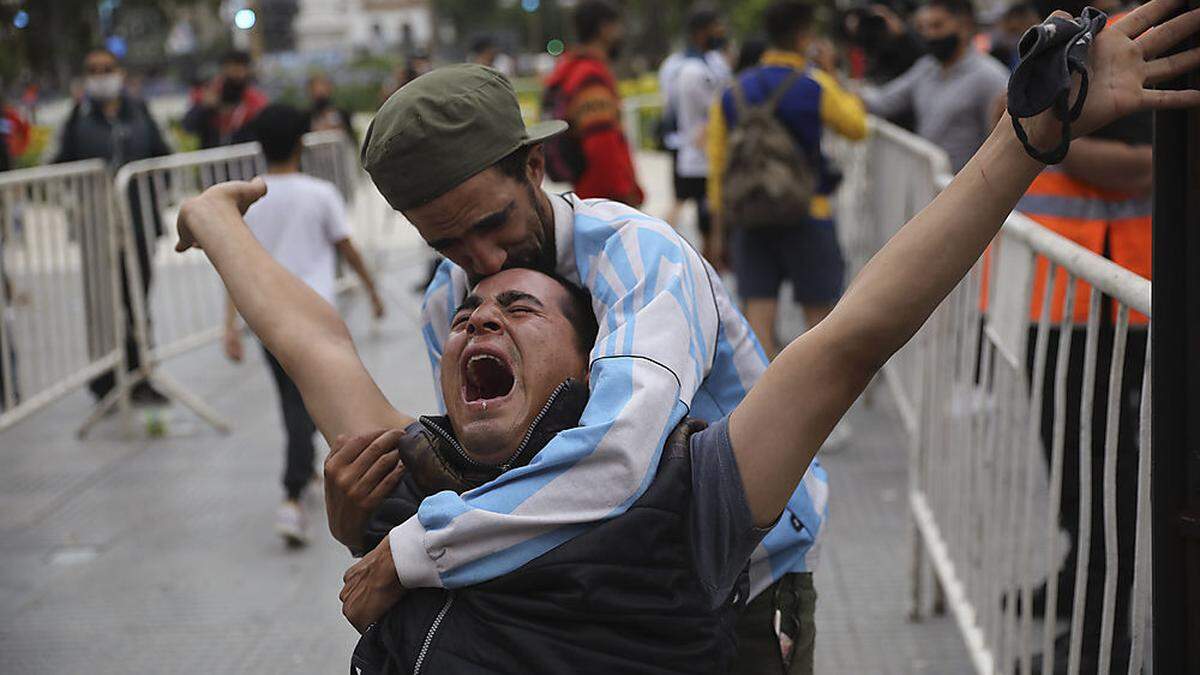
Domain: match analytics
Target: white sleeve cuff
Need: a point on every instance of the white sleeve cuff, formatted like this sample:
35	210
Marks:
413	564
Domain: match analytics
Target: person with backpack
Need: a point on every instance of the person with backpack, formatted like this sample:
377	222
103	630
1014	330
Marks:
701	76
110	124
769	182
593	156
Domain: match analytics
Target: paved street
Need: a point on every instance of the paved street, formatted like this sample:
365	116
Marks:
132	556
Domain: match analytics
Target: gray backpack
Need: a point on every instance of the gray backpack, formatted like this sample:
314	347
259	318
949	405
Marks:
768	179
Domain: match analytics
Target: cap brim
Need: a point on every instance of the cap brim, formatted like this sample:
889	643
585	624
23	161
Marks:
540	131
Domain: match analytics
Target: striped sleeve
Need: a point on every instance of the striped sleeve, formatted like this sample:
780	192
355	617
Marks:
658	327
437	308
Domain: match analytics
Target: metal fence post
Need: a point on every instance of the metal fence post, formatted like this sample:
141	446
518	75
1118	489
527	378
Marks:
1175	468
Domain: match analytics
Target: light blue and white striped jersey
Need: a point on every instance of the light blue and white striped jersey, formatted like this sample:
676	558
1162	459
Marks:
671	343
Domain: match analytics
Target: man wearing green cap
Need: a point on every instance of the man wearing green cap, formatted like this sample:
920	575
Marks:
451	152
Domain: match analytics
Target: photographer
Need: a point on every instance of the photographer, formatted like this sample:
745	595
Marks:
889	46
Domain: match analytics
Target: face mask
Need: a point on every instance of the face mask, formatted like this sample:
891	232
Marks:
103	87
232	90
943	48
321	103
614	50
715	42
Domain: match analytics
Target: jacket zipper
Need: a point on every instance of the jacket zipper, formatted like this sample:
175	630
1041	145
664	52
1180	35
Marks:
505	465
437	622
449	438
536	421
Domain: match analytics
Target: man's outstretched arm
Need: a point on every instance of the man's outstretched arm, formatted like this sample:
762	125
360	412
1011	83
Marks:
300	328
781	423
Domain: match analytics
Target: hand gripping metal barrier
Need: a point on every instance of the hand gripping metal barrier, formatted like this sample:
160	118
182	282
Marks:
1005	398
60	286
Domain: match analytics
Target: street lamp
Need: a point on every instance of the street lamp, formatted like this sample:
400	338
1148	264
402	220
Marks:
245	19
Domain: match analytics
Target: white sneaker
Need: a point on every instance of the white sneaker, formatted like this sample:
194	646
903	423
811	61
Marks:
290	523
839	438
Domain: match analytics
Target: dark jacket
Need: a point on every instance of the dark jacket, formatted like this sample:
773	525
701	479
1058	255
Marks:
622	597
131	136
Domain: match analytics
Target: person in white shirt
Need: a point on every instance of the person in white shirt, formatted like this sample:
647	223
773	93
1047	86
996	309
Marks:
302	223
702	74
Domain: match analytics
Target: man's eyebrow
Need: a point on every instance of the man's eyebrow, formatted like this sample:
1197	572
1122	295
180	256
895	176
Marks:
491	220
494	219
471	302
507	298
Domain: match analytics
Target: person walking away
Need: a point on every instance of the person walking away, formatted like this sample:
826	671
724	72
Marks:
593	155
802	100
109	124
770	184
302	223
226	104
953	90
700	79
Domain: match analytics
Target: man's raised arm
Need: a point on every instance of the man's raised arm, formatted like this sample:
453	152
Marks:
296	324
782	422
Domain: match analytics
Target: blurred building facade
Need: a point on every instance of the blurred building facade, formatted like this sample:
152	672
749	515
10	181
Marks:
377	25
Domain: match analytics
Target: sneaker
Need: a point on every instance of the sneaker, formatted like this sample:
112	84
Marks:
145	395
290	523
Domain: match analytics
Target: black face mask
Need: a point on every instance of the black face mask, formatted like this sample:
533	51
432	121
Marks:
232	90
714	43
943	48
614	50
321	103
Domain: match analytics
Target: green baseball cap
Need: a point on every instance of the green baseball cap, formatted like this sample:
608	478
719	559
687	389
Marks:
442	128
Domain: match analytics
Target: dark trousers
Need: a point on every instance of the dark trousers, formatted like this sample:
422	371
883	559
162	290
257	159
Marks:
8	368
104	382
757	642
1126	472
298	458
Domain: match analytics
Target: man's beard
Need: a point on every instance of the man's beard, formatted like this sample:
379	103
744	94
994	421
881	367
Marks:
539	252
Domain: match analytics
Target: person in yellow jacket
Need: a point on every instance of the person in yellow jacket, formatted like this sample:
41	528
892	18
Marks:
804	251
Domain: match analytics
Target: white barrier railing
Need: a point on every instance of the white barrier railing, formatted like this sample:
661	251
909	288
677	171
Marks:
331	155
1000	398
181	303
61	323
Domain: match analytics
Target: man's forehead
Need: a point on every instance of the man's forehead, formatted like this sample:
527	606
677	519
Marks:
477	197
97	58
519	280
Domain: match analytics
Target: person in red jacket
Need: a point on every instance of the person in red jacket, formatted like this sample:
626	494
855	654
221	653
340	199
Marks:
592	106
227	103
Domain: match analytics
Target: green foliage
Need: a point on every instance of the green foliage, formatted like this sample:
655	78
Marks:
746	16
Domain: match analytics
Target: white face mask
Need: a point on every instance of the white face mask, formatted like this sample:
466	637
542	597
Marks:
103	87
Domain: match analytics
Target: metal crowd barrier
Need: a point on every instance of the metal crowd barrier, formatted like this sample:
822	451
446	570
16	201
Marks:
990	408
181	300
60	315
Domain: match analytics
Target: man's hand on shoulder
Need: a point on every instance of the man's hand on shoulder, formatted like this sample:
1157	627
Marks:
223	202
360	472
371	587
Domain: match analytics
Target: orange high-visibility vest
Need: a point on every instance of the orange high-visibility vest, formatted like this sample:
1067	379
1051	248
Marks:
1106	222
